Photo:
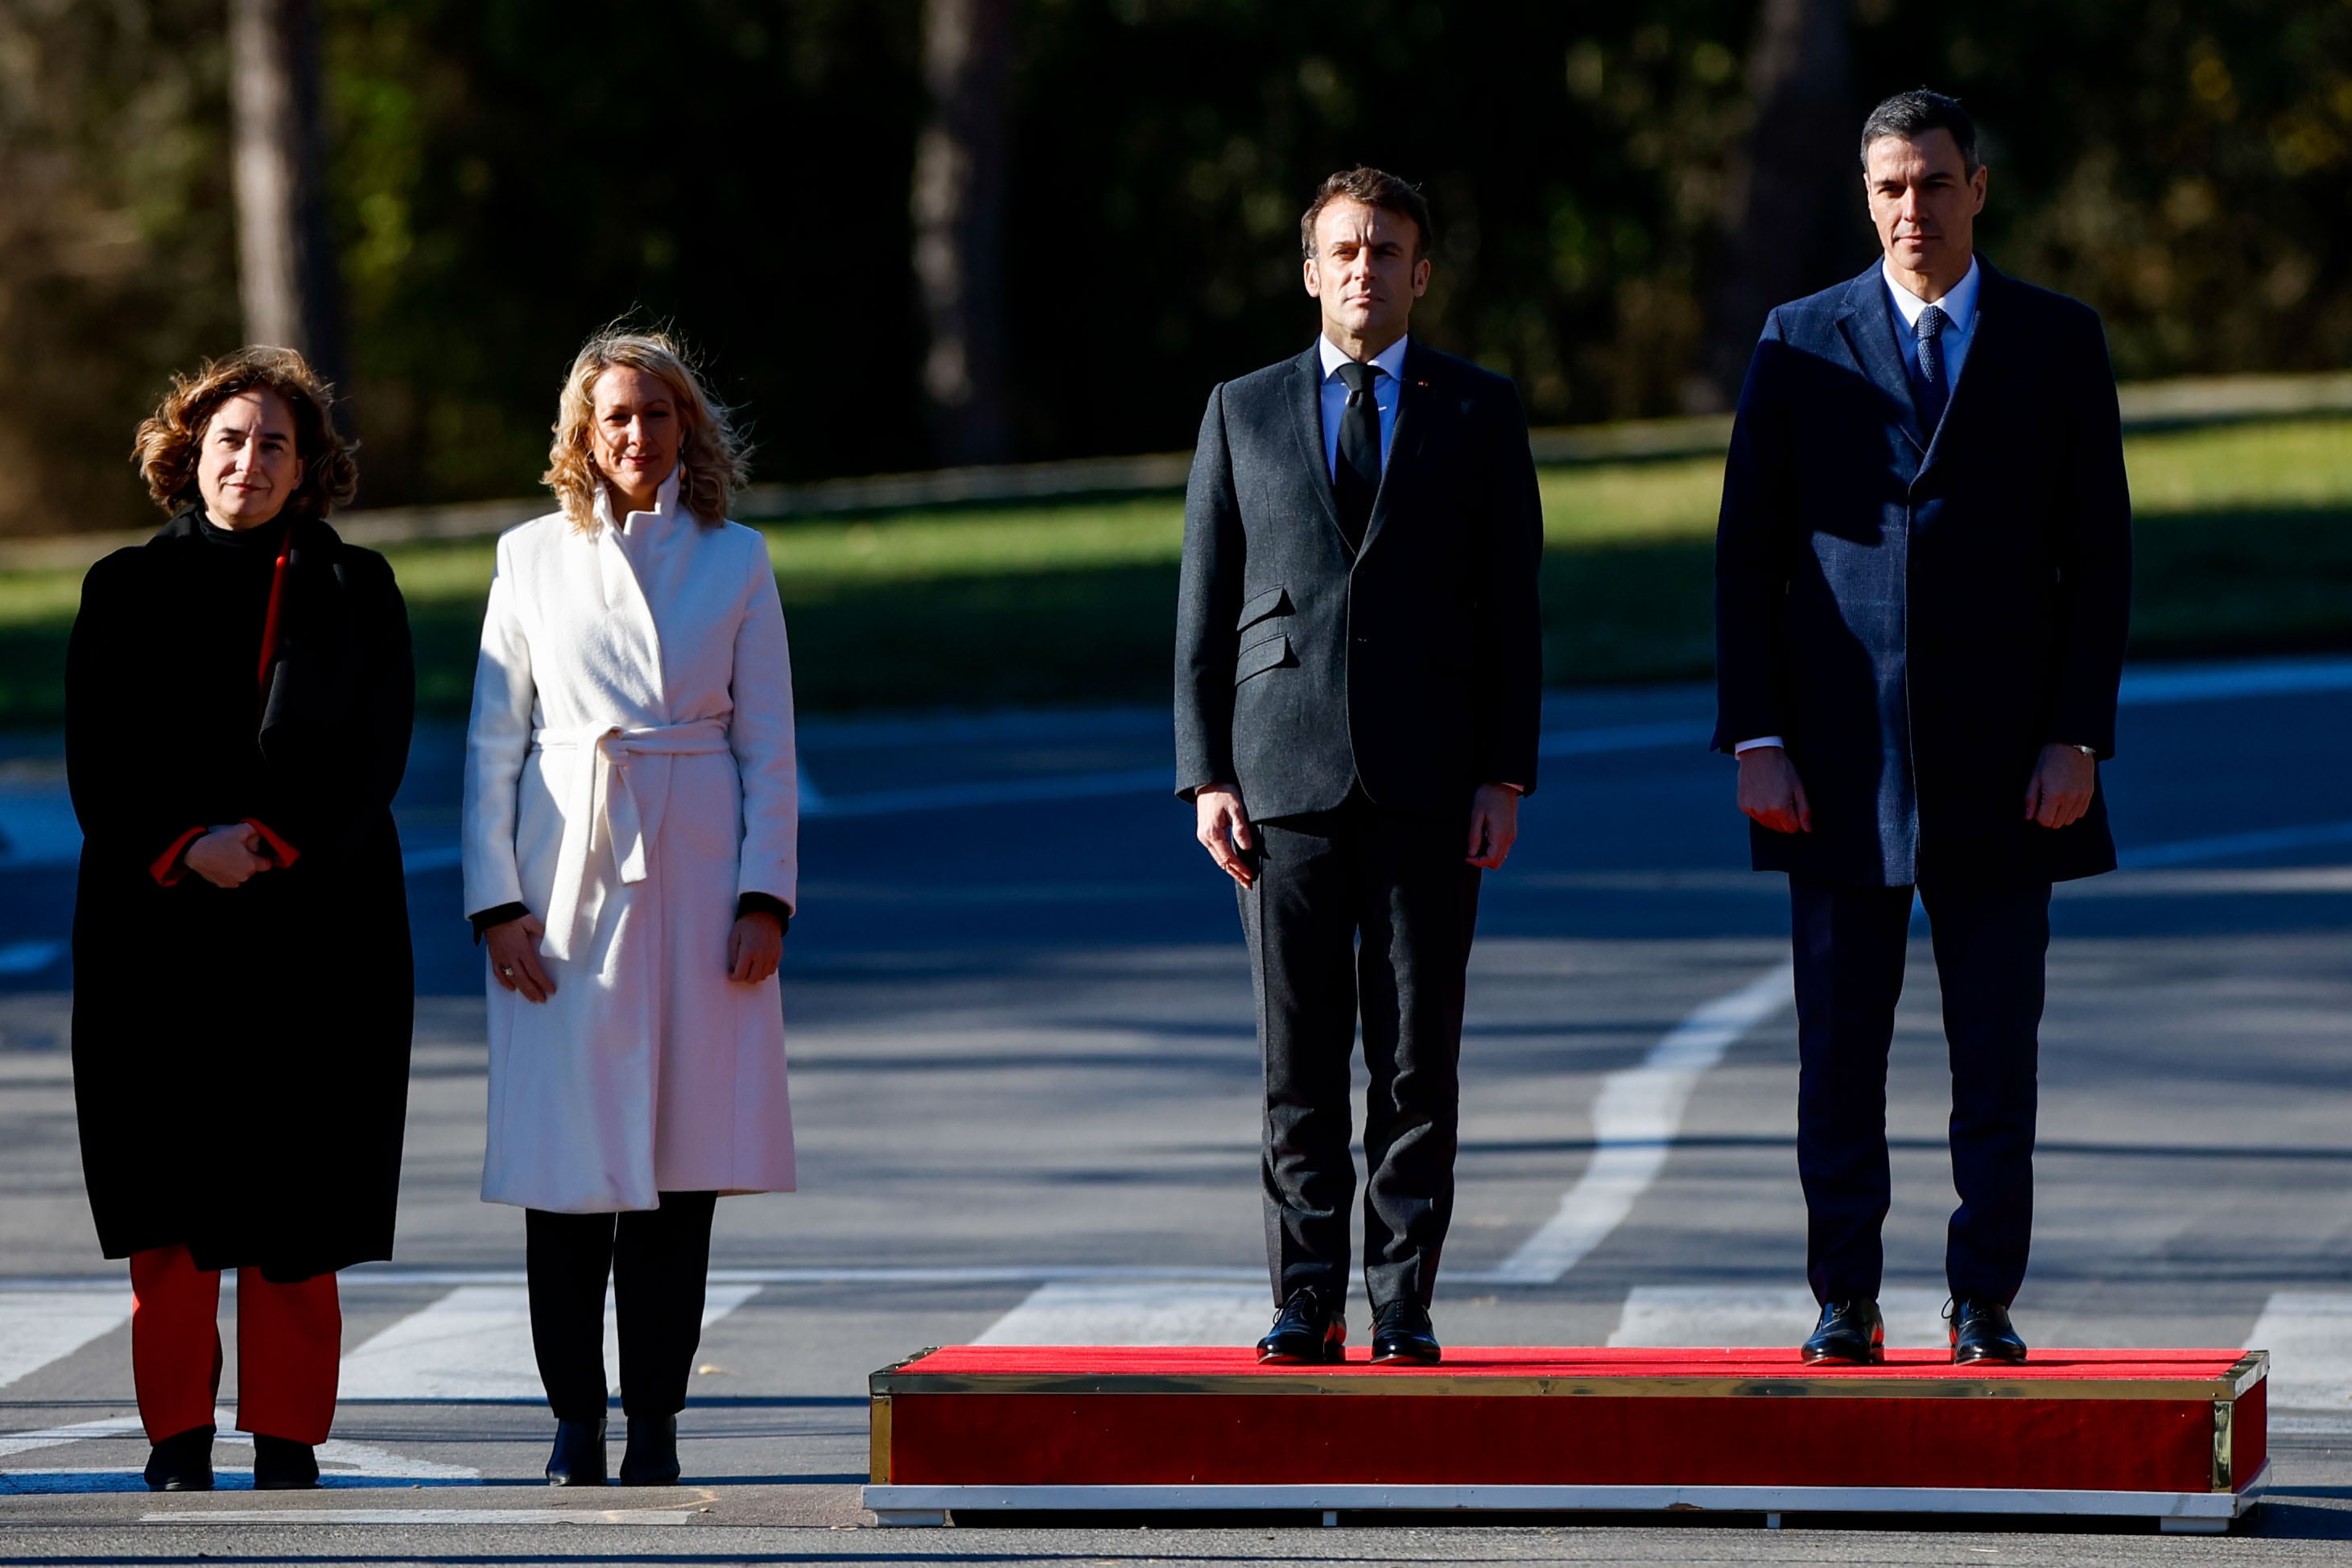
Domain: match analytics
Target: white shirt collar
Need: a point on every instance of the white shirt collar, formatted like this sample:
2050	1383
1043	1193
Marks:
1390	359
665	503
1959	306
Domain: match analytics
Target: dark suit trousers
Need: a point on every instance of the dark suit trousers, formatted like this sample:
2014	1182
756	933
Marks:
1360	909
656	1260
1991	944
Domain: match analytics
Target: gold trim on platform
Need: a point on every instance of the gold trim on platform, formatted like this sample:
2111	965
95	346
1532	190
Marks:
2223	1445
878	1441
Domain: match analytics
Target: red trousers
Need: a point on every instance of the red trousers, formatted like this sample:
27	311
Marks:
290	1343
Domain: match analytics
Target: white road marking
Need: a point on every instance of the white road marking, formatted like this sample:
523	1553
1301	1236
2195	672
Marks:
340	1461
38	1327
422	1516
2309	1336
475	1344
1162	1312
1716	1316
1634	1120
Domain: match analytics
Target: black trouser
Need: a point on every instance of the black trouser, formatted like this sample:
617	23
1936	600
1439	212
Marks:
1400	884
656	1260
1991	945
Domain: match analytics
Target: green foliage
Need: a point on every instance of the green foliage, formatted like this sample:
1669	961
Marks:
506	175
2244	539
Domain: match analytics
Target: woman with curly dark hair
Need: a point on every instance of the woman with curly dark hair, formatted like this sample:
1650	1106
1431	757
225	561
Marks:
238	694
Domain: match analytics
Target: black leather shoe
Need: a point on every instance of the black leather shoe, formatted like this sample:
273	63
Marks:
181	1462
1850	1333
282	1465
1982	1331
1306	1331
651	1457
1401	1331
579	1457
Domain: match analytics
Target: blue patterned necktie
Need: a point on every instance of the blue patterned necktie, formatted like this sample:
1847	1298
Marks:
1935	386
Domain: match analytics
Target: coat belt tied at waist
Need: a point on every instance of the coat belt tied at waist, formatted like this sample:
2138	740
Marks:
601	817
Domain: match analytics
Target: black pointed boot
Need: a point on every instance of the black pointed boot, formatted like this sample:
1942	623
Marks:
181	1462
282	1465
578	1459
651	1457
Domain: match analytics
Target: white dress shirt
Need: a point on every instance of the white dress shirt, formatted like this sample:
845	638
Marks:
1959	308
1386	388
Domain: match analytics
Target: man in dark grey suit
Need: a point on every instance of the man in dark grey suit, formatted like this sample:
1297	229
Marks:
1923	583
1359	680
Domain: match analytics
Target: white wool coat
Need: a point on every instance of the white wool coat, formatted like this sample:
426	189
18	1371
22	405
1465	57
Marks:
629	771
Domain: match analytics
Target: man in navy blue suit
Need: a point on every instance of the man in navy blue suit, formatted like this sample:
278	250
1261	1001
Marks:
1923	580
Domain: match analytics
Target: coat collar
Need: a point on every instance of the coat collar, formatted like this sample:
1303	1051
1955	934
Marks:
1867	320
1406	441
1991	342
1307	425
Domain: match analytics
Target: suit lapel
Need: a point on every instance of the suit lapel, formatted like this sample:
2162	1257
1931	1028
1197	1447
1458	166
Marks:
1306	423
1868	323
1987	365
1406	441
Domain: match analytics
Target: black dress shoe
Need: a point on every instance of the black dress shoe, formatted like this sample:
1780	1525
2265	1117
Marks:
651	1457
1306	1331
1401	1331
579	1457
1982	1331
1850	1333
181	1462
282	1465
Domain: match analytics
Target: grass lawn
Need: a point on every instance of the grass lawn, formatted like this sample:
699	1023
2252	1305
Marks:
2244	540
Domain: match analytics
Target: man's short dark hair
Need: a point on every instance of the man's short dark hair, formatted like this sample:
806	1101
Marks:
1912	115
1374	188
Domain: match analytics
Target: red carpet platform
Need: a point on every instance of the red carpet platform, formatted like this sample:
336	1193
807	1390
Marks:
2172	1436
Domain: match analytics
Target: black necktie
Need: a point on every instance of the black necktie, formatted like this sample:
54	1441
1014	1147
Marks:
1356	478
1935	386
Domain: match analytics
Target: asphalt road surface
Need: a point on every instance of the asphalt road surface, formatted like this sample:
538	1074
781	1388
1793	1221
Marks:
1025	1090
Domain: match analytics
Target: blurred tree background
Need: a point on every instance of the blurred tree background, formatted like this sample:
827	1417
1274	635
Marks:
910	231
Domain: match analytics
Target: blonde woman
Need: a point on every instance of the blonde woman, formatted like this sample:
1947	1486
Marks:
631	820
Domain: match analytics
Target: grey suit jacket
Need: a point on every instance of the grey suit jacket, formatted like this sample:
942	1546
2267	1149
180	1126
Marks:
1415	665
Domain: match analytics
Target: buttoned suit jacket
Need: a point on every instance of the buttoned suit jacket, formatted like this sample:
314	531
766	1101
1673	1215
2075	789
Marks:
1415	663
1917	613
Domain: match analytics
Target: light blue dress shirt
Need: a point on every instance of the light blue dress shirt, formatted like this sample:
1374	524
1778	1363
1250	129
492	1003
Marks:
1386	389
1959	308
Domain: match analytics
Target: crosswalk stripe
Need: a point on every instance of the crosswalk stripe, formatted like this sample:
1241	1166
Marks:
1634	1120
38	1327
2309	1336
1135	1312
474	1343
1716	1316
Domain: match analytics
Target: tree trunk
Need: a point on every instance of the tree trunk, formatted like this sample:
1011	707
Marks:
1793	204
959	212
286	270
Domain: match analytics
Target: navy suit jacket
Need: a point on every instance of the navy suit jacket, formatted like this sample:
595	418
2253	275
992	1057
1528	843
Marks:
1917	613
1415	663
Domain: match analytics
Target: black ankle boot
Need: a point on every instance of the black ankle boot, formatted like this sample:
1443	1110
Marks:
181	1462
579	1457
651	1457
282	1465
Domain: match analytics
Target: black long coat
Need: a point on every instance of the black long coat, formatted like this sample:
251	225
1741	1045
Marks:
1415	663
1918	613
241	1056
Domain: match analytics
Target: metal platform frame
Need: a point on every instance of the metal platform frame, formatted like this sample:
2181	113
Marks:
2205	1513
